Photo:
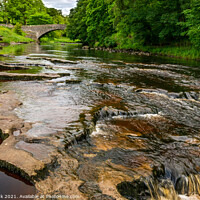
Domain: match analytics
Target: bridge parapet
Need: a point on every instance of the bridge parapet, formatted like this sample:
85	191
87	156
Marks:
7	25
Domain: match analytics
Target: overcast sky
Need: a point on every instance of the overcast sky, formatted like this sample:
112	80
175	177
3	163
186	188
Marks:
64	5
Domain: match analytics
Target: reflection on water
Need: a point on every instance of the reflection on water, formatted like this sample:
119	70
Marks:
141	114
12	184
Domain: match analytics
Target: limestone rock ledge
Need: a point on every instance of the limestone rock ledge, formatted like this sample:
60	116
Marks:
37	160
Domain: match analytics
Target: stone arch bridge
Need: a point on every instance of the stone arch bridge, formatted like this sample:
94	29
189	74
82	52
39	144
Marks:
35	32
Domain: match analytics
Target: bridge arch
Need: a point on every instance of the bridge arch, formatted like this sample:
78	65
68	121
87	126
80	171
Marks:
41	35
37	31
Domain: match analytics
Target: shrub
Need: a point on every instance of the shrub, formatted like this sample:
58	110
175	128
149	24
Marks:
18	29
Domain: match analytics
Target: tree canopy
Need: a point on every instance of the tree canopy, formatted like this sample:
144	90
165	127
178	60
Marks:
132	23
30	12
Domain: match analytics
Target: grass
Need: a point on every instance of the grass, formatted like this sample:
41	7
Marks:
66	40
60	40
9	36
187	52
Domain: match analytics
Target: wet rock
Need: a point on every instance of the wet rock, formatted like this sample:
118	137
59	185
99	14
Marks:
98	85
190	95
160	91
148	189
34	58
188	185
88	172
90	188
4	91
73	81
158	172
73	137
6	66
134	190
16	133
10	168
174	95
195	95
25	77
54	60
182	185
101	197
9	122
19	158
166	190
86	47
164	184
64	74
39	151
21	65
182	95
6	55
49	67
109	112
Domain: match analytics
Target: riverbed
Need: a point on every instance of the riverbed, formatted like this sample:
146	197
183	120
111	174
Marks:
99	125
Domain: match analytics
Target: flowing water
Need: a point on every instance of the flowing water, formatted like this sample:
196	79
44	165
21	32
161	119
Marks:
131	122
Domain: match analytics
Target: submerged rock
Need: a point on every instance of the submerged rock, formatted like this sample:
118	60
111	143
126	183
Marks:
54	60
134	190
86	47
90	188
4	76
182	95
72	81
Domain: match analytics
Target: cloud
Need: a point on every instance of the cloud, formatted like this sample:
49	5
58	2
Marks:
64	5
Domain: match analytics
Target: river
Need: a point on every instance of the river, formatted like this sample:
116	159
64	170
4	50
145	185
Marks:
105	125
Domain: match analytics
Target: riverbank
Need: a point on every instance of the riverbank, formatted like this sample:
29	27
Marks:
58	40
186	52
8	36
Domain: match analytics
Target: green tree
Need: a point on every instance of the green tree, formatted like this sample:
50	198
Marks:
148	22
4	7
18	29
39	19
77	27
193	22
13	11
99	23
57	16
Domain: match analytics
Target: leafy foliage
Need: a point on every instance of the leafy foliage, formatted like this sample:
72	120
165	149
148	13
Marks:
98	21
193	22
26	11
77	27
18	29
39	19
135	23
10	36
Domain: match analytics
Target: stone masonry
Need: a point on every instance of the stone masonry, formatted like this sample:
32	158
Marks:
35	32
